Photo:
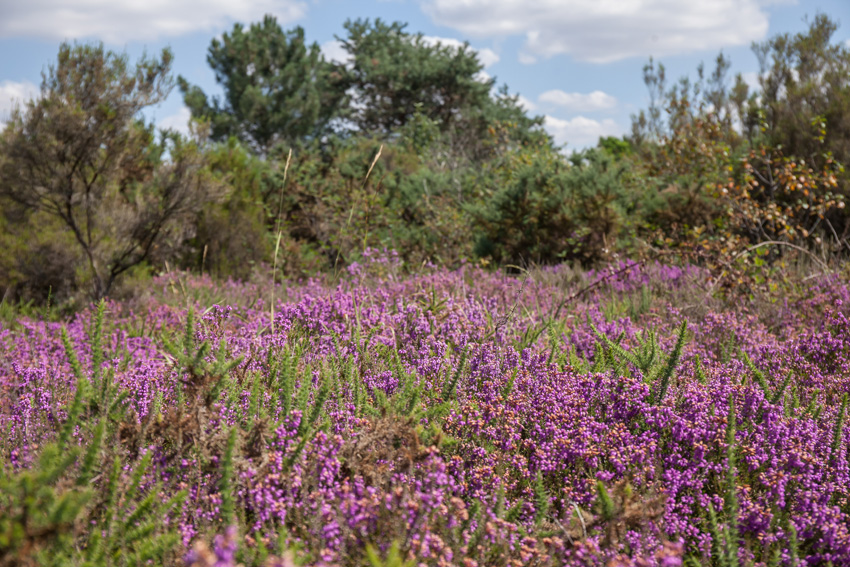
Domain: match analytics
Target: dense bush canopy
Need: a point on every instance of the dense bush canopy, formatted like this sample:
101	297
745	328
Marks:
712	173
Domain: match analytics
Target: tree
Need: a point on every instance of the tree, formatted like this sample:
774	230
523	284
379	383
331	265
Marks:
394	74
81	153
280	90
687	102
802	104
804	84
615	147
277	89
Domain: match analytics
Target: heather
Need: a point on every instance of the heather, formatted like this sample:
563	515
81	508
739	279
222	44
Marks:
454	417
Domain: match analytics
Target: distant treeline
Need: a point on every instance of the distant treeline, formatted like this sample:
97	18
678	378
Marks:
304	163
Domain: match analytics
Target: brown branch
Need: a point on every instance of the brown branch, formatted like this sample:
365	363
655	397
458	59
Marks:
595	284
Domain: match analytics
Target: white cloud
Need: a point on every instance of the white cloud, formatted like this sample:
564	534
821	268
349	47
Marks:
580	132
119	21
334	51
752	80
482	76
14	94
178	122
607	30
580	102
486	56
526	59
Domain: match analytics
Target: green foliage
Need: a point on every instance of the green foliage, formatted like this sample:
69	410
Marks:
412	402
464	170
277	88
617	147
804	80
730	496
232	235
450	386
132	532
101	171
605	503
330	216
724	535
39	259
545	209
775	397
228	502
284	369
394	75
394	557
699	371
779	394
777	183
292	380
542	501
317	406
718	556
793	545
37	512
71	354
646	357
96	334
684	160
838	429
663	377
195	373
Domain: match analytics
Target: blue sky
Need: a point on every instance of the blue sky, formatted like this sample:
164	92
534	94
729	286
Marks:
577	62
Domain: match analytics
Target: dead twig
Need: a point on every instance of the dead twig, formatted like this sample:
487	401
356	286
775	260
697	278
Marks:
595	284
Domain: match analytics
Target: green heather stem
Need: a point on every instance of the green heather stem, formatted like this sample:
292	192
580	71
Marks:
228	505
672	363
836	432
730	500
97	350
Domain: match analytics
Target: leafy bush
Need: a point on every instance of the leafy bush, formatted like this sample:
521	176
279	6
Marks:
232	236
545	209
39	259
80	154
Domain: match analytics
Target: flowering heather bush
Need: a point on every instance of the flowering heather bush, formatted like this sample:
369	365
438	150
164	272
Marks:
449	418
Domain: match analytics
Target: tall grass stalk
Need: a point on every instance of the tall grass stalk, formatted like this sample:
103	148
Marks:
277	241
351	212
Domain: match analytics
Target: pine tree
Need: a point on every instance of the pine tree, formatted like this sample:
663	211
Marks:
277	88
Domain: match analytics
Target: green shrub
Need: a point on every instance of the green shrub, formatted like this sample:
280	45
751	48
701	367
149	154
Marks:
546	209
